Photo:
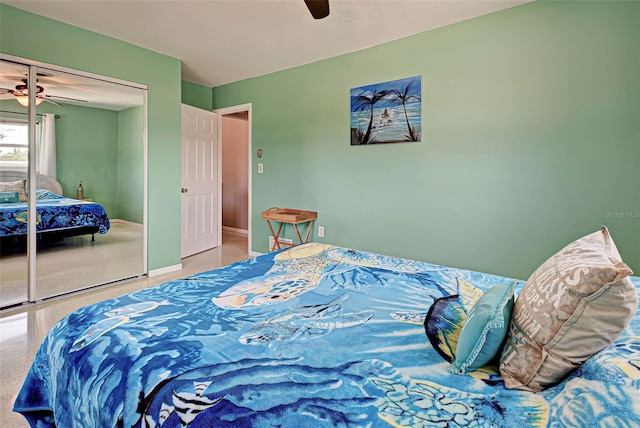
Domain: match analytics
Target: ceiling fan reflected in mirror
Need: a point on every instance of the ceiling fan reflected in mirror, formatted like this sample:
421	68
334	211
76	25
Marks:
21	94
319	8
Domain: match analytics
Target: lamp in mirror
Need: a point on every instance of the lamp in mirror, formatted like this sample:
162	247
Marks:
24	100
22	94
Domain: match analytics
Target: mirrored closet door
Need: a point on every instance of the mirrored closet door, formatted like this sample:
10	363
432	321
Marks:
85	178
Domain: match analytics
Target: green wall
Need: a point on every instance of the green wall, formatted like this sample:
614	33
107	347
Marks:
131	164
87	151
530	139
56	43
197	95
104	150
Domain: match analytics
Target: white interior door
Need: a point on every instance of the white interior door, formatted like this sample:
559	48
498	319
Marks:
199	180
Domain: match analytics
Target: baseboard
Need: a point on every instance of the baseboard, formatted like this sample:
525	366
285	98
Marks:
235	230
165	269
126	222
255	253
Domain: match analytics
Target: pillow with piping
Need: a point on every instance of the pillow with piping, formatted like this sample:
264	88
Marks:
573	306
485	328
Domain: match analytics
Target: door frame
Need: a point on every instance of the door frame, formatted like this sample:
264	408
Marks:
221	112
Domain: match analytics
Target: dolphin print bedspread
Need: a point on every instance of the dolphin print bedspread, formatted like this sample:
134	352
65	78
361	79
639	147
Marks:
314	335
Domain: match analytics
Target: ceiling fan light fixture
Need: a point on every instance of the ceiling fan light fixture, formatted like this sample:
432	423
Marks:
22	94
24	100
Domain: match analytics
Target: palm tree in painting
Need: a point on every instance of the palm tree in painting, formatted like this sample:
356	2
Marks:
403	98
363	102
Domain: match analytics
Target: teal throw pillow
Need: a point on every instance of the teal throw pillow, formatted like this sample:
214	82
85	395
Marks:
484	329
9	197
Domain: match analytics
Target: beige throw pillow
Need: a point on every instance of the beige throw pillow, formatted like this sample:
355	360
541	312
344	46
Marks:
15	186
573	306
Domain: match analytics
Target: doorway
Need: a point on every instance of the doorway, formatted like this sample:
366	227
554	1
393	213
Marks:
234	132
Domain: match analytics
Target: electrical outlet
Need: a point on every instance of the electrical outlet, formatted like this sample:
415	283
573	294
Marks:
320	231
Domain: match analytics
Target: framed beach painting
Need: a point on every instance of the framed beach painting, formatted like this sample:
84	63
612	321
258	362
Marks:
388	112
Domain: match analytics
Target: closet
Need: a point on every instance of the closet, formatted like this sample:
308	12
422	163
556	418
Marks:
84	136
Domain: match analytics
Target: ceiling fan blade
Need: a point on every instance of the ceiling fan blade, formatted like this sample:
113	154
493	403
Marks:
50	101
48	97
319	8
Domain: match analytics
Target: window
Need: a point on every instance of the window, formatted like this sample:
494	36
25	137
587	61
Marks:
14	145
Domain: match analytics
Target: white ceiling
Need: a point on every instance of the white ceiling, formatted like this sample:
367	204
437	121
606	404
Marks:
222	41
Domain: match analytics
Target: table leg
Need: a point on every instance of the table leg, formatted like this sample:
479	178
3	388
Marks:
306	238
295	226
275	237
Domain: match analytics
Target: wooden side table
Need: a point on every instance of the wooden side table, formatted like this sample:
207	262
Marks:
290	216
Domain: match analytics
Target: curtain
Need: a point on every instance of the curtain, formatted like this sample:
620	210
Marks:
46	152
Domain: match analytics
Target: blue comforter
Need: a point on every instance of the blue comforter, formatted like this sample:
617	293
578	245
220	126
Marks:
53	212
314	335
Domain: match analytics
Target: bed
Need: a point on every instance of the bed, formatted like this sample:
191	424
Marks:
57	216
313	335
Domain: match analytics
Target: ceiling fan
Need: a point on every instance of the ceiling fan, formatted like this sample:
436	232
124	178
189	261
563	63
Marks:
21	93
319	8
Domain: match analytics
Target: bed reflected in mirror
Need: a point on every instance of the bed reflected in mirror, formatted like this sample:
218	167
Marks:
90	184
